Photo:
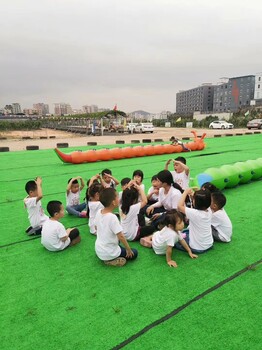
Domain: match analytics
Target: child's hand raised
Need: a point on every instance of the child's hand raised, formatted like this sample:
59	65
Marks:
38	180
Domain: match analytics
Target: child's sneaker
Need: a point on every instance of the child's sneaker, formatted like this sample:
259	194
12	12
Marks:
83	214
116	262
145	242
34	231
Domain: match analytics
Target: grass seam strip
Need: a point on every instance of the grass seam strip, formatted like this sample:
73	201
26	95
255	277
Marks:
184	306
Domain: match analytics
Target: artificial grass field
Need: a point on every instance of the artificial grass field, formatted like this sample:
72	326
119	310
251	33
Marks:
71	300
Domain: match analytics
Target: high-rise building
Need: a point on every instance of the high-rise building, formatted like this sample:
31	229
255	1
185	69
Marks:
16	108
196	99
234	94
258	86
42	108
87	109
63	109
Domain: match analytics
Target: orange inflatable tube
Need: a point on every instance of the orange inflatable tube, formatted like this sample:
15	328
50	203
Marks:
78	157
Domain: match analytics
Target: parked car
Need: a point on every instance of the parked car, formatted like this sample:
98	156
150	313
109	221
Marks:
220	124
144	127
131	127
255	123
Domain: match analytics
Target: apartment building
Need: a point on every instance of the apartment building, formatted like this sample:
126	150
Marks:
41	108
63	109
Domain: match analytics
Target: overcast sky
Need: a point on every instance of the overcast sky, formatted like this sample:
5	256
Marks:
136	53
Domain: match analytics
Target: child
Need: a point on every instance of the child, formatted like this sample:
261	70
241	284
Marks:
109	232
199	237
209	186
94	205
54	235
169	196
130	210
153	192
138	177
176	142
108	180
220	223
181	171
124	183
163	241
73	192
33	205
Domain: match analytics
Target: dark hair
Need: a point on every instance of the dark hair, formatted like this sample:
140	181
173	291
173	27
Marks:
93	189
138	173
107	195
106	171
166	176
73	182
181	159
125	181
154	177
219	199
30	186
129	197
53	207
172	217
209	186
202	199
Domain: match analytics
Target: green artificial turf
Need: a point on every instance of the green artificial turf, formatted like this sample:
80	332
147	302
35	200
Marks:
71	300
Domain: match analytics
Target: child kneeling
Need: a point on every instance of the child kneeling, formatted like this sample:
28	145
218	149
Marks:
54	235
164	240
110	232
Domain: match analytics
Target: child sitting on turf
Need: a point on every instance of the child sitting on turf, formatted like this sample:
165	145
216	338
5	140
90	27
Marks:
209	186
220	223
163	241
181	171
138	177
129	211
54	235
110	232
73	192
107	179
33	205
124	183
153	192
199	234
94	205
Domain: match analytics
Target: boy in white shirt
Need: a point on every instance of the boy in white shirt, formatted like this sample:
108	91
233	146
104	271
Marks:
73	192
199	237
107	179
109	232
54	235
220	223
180	173
33	205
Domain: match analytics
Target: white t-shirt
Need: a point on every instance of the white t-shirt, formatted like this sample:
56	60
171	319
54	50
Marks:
35	211
111	184
222	224
52	232
107	244
168	201
200	233
164	238
154	196
181	179
129	222
93	209
73	198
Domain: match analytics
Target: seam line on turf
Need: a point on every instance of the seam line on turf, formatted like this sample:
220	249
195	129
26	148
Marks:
184	306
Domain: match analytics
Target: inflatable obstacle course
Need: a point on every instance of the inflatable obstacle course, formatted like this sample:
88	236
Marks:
78	157
231	175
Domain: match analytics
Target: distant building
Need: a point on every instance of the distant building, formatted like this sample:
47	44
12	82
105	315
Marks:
41	108
30	111
16	108
234	94
63	109
258	86
90	109
196	99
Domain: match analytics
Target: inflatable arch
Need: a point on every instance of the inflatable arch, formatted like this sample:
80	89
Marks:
78	157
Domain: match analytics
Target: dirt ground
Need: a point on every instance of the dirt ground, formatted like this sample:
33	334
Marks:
48	138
